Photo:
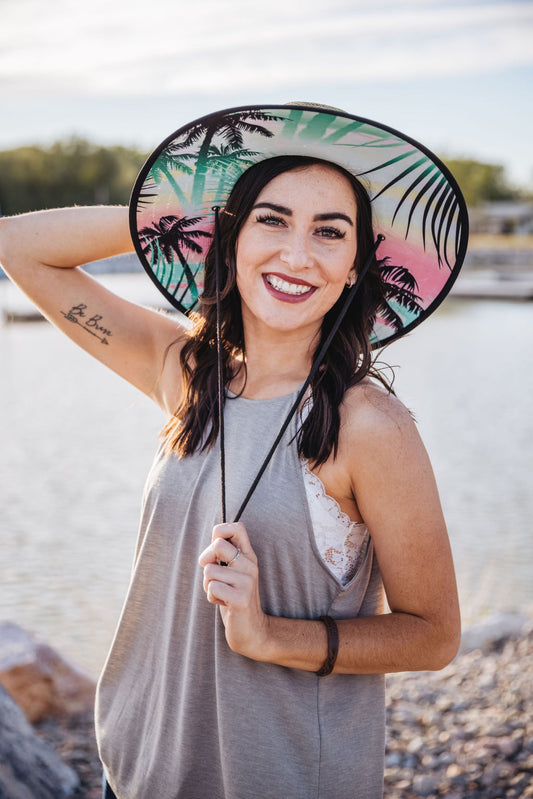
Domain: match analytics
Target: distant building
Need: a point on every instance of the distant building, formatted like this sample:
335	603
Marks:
511	216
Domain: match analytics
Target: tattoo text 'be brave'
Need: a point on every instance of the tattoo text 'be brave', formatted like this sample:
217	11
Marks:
78	316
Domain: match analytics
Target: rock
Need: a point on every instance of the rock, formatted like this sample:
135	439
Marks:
416	745
494	773
29	769
38	678
425	784
474	719
493	631
394	760
509	747
453	771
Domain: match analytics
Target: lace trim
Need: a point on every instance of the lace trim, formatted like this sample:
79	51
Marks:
329	502
339	540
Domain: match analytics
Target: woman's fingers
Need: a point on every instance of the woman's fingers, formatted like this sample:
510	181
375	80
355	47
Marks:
234	532
229	543
225	551
234	587
218	593
230	566
214	572
221	551
223	585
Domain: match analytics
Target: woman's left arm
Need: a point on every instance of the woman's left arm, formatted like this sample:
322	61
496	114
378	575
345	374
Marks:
393	483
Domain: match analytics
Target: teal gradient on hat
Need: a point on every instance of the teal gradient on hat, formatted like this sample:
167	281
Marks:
416	202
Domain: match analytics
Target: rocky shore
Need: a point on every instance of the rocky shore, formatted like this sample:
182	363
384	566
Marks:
464	733
73	740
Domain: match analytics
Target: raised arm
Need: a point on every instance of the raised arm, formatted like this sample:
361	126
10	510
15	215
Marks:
41	251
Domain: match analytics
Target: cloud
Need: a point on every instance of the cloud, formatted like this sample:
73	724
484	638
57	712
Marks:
120	48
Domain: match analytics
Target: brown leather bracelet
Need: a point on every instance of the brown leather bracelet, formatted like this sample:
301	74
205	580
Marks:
333	646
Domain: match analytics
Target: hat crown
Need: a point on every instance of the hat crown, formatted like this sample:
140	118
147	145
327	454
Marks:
318	106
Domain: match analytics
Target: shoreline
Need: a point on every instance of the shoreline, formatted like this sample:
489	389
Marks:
496	267
463	732
472	284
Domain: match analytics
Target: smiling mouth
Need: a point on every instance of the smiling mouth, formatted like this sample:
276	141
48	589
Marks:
283	286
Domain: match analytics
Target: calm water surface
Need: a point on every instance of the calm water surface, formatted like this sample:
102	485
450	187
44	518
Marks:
77	443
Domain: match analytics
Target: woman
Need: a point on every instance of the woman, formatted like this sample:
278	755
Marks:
259	673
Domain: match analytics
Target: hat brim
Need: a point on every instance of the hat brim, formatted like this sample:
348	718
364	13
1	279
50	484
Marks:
416	202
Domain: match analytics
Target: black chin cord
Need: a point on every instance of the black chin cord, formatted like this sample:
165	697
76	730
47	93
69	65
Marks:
220	364
316	363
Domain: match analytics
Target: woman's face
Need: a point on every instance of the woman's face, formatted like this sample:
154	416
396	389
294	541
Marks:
296	248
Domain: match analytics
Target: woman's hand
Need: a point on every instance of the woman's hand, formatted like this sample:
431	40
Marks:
235	588
392	479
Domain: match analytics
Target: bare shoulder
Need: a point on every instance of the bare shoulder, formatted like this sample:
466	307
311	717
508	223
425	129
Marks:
379	435
388	466
371	413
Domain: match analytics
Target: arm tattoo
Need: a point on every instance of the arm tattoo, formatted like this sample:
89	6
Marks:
78	316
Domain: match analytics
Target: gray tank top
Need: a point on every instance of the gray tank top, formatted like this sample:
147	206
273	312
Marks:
181	716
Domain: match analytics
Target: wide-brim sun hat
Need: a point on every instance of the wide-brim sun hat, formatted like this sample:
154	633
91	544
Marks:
416	203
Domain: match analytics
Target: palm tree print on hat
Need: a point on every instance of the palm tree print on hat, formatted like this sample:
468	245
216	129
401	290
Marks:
230	128
148	194
400	290
168	237
442	200
169	162
229	164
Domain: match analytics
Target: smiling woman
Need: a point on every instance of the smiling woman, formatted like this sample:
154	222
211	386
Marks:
250	652
317	258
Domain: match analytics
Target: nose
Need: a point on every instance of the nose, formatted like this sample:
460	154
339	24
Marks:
296	251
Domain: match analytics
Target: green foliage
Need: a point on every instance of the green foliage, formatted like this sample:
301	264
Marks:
481	182
74	172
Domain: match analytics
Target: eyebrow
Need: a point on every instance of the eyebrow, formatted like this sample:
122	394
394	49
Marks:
332	215
281	209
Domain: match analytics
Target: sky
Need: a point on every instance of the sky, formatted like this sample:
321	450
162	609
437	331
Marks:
454	75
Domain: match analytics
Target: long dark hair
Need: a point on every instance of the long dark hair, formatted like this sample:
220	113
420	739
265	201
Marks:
348	360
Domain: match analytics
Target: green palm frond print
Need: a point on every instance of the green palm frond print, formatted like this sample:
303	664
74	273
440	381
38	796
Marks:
170	164
230	128
440	204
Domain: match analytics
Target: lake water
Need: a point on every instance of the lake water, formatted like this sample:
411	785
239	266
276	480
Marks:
77	443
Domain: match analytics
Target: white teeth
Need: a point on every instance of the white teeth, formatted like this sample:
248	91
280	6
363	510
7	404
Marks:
285	287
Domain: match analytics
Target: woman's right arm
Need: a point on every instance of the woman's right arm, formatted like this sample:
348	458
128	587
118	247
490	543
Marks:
40	252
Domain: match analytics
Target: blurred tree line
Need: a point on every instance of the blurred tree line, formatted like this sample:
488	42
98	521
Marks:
76	172
481	182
